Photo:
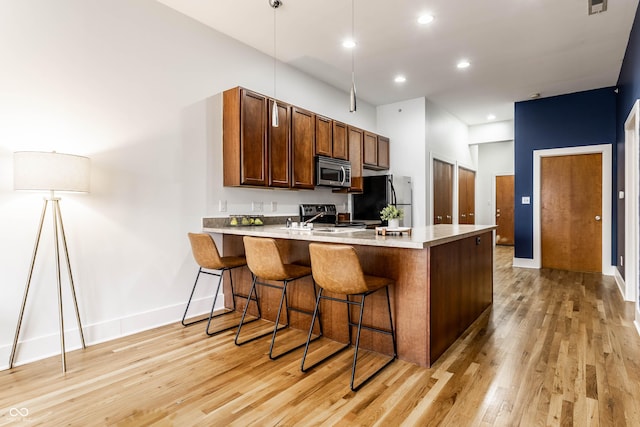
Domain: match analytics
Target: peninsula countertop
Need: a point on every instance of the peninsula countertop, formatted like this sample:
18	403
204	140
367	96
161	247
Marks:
420	238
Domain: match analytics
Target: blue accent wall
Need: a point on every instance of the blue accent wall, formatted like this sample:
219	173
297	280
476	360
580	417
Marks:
577	119
629	91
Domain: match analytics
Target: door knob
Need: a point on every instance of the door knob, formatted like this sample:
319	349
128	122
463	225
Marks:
598	218
497	215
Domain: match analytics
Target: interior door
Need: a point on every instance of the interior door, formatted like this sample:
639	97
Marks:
442	192
571	211
504	209
466	196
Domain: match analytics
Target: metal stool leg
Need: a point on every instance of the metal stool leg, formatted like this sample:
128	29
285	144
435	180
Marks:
244	313
193	290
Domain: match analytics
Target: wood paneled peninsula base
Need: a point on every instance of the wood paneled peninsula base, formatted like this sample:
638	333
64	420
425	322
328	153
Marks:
443	281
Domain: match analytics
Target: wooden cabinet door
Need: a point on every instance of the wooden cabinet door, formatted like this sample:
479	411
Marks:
571	211
253	138
383	152
302	148
442	192
340	145
504	209
370	156
355	157
324	136
279	160
466	196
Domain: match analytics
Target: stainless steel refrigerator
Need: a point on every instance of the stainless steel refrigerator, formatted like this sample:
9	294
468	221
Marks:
379	191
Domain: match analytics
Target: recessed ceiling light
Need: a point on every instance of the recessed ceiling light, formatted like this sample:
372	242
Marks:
491	117
425	19
400	79
349	44
463	64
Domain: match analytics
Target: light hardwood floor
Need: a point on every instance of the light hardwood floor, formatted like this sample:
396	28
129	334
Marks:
556	348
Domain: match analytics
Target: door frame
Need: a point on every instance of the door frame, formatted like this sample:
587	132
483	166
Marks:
605	150
630	285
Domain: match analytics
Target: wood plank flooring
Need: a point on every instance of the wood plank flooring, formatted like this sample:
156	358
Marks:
556	348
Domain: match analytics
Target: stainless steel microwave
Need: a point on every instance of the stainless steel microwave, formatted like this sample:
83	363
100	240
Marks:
333	172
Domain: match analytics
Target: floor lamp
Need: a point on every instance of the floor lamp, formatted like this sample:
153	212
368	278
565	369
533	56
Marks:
51	172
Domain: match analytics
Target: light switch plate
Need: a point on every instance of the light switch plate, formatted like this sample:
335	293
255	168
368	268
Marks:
222	205
526	200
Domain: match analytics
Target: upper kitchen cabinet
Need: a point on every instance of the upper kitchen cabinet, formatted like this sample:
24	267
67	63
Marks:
244	138
340	138
324	136
356	139
376	151
302	148
279	143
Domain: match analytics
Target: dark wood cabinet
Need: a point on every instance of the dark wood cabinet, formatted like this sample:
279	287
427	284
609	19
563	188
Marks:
356	139
370	156
244	141
340	144
302	148
324	136
376	151
279	143
383	152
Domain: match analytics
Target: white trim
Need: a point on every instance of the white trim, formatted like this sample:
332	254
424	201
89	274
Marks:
619	282
524	263
631	250
605	150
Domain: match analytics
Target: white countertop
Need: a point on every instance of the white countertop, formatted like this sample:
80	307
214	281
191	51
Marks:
421	237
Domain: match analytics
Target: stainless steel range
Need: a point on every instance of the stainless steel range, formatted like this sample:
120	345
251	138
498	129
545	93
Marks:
325	214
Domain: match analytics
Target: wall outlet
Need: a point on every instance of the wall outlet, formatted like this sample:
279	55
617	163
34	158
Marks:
274	206
621	261
256	206
526	200
222	205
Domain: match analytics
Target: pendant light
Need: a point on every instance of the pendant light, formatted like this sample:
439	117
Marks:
275	120
352	94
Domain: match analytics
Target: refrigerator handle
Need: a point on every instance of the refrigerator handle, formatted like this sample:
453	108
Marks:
394	199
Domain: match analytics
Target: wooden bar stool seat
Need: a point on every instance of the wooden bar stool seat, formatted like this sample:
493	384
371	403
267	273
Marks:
206	254
265	263
336	268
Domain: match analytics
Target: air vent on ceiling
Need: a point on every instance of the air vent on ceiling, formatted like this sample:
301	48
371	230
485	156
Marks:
597	6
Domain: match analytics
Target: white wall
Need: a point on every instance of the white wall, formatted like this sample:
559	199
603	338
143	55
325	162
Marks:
491	132
404	123
132	85
447	139
494	159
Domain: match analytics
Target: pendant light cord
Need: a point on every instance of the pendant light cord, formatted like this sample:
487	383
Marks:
274	48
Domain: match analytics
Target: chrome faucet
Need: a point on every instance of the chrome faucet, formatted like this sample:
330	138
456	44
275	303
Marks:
321	214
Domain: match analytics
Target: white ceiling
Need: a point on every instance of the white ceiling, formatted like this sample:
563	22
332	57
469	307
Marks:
516	47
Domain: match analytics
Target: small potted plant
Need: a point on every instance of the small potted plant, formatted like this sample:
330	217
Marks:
392	215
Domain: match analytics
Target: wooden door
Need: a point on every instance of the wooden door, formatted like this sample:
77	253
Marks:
571	211
442	192
355	158
302	148
466	196
324	140
340	145
504	209
279	147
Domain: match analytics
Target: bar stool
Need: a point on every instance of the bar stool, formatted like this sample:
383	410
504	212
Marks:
336	268
207	256
265	263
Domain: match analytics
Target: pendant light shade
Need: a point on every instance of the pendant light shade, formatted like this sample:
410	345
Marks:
275	120
352	93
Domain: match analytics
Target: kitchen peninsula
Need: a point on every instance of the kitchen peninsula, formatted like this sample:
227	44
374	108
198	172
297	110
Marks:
443	281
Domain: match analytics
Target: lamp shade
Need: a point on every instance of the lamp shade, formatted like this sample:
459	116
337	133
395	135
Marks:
51	171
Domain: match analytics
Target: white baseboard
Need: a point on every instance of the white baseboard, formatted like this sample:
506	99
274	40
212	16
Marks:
37	348
619	282
525	263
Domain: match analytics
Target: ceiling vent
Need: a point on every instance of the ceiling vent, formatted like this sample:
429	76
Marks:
597	6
